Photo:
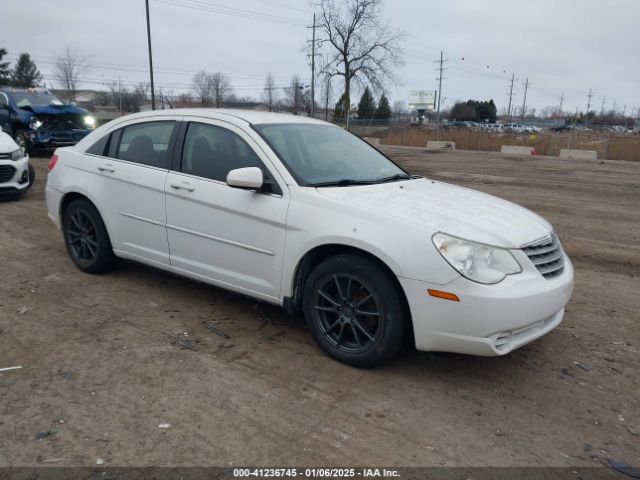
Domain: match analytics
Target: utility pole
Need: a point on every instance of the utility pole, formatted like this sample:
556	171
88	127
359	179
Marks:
513	79
604	99
562	98
586	118
442	69
313	68
613	109
120	92
524	102
153	93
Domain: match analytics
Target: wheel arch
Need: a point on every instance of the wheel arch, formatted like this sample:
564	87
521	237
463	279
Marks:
312	258
69	197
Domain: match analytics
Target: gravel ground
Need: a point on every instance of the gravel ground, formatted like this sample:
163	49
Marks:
100	372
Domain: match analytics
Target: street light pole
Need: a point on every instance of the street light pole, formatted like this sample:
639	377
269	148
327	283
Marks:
153	92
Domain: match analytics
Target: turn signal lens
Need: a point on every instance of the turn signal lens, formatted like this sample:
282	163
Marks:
446	295
52	162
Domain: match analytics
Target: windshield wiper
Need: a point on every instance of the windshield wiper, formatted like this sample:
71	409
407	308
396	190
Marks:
344	182
396	177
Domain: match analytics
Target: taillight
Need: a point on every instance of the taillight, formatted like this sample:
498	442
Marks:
53	161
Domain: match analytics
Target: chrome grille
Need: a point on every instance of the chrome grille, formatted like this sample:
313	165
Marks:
547	256
6	173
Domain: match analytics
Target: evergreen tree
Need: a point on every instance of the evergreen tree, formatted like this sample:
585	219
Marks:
338	111
367	105
5	72
383	111
25	73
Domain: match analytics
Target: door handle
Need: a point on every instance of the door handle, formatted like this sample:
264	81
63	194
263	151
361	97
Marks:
187	187
107	168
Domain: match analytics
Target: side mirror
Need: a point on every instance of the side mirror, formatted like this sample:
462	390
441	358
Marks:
249	178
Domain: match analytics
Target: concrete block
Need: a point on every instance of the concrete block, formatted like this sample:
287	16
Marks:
372	140
434	145
579	154
518	150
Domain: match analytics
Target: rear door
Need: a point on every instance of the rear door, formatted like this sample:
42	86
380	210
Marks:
129	182
229	236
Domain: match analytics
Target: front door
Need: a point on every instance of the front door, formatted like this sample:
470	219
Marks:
231	237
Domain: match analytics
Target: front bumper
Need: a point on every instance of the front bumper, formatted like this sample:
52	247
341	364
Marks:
56	138
14	175
489	320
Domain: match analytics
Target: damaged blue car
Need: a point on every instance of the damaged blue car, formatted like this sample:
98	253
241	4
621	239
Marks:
36	118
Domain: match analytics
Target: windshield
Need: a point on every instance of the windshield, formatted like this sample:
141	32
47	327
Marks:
28	99
323	155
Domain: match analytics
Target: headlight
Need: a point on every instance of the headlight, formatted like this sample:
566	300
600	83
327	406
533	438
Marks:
35	123
89	121
476	261
17	155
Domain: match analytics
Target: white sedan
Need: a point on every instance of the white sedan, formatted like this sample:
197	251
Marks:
16	175
303	214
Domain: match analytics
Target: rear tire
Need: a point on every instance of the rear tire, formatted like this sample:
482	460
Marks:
86	237
355	311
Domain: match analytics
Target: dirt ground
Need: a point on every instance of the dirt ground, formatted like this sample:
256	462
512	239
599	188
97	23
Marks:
100	372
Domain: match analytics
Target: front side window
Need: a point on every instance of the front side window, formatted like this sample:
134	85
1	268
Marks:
145	143
211	152
322	155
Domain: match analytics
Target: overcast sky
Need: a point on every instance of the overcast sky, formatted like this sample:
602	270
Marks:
561	46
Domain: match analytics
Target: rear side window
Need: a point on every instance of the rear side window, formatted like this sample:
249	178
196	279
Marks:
99	147
146	143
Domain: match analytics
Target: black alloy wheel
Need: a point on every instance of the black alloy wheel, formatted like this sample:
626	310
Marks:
355	310
86	237
348	313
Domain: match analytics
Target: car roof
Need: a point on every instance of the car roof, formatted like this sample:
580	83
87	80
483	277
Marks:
239	116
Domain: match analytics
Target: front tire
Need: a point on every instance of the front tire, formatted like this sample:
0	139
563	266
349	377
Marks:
24	143
32	176
86	237
355	311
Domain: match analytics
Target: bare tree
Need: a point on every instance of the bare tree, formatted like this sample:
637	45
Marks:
68	68
270	94
326	95
295	94
202	87
399	108
359	46
220	88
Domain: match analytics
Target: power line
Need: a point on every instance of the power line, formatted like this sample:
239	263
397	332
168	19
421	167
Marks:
234	12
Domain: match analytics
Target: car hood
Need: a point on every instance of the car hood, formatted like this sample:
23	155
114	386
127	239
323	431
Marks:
441	207
7	144
56	110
